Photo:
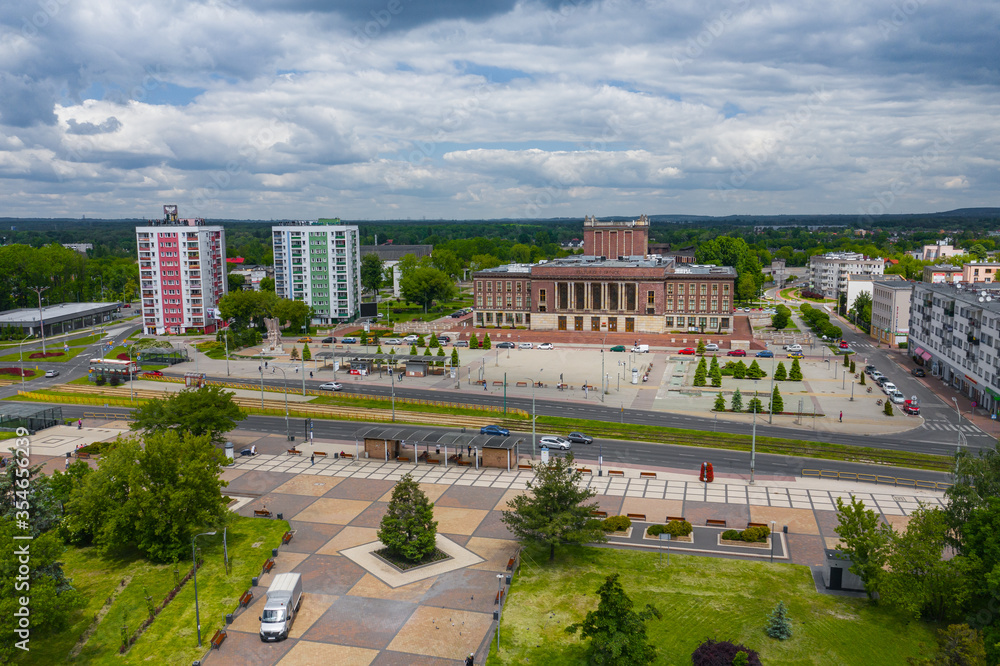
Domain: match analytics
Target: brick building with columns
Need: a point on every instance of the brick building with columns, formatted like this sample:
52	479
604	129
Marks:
607	293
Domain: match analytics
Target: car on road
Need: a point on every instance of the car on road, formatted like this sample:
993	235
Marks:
911	407
553	442
793	348
738	352
443	342
331	386
618	348
524	345
152	373
51	373
580	438
918	372
767	353
305	339
461	343
796	354
688	351
329	340
349	341
446	338
888	388
897	397
410	339
392	341
879	378
505	345
844	345
545	345
711	346
494	430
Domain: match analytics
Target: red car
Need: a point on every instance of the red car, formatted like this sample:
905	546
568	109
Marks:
736	352
152	373
688	350
843	344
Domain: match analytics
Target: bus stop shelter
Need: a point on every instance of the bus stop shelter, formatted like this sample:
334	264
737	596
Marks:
416	444
34	417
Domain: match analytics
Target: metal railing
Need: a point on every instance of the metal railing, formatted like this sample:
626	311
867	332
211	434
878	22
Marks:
878	479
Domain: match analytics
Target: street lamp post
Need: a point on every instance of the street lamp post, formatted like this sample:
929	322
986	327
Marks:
772	542
533	417
41	319
770	412
961	435
260	367
284	379
392	378
20	356
194	558
603	378
753	439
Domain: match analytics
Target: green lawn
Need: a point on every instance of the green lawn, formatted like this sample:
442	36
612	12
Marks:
171	639
699	597
15	358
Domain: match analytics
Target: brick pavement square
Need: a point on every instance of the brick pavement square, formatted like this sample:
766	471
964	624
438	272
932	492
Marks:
327	574
310	653
361	622
492	526
348	537
495	553
432	490
256	483
698	512
307	484
245	649
799	521
453	520
330	510
390	658
437	632
469	498
312	608
806	549
463	589
309	537
656	510
372	516
359	489
371	586
287	505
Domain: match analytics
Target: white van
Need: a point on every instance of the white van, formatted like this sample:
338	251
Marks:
641	349
283	600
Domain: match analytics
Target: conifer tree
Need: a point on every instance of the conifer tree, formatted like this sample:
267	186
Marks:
778	624
408	528
780	374
699	373
487	344
777	404
795	374
737	402
720	402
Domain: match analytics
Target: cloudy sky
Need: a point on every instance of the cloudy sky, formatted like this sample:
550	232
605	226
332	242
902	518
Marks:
374	109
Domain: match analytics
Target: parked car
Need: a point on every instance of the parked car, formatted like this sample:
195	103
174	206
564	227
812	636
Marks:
869	369
51	373
640	349
711	346
554	442
494	430
738	352
618	348
152	373
767	353
443	342
446	338
524	345
410	339
688	351
796	354
897	397
305	339
888	388
545	345
505	345
918	372
331	386
580	438
349	341
793	348
392	341
911	407
880	379
329	340
461	343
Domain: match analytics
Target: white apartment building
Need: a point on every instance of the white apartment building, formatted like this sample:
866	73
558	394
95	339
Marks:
891	310
182	273
859	284
318	262
955	334
828	272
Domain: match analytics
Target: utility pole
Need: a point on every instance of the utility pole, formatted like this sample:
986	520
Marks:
41	319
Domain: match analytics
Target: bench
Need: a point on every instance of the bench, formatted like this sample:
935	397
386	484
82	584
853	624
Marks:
636	516
647	475
679	519
264	513
268	565
319	453
495	383
422	456
757	525
294	452
464	462
522	384
246	598
510	564
615	472
524	466
82	455
286	537
599	513
585	470
711	522
480	382
499	597
433	461
217	639
349	456
402	459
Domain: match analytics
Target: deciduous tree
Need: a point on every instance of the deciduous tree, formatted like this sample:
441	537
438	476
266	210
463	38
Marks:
208	410
371	272
865	539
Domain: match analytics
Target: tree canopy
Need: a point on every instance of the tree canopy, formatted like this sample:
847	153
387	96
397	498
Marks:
408	528
865	539
424	284
208	410
372	272
617	633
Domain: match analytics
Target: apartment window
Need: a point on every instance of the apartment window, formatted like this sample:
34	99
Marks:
650	297
479	286
519	287
508	285
479	301
704	288
680	289
489	287
670	289
670	304
715	289
508	300
692	289
489	300
519	300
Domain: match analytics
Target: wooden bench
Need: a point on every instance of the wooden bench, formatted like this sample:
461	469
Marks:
599	513
349	456
520	384
636	516
268	565
246	598
679	519
495	383
319	453
480	382
499	597
294	452
758	525
433	461
217	639
510	564
615	472
647	475
402	459
585	470
286	537
264	513
524	466
82	455
464	462
711	522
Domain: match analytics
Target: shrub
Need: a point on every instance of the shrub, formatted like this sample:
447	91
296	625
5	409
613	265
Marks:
656	530
853	367
678	528
731	535
887	410
780	374
778	624
847	360
795	374
17	372
862	379
755	534
715	653
115	380
100	380
617	523
720	403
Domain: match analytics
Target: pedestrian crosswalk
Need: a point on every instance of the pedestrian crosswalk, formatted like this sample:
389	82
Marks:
944	425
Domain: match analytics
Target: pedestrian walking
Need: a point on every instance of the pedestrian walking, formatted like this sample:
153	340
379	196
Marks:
312	459
470	450
841	417
265	365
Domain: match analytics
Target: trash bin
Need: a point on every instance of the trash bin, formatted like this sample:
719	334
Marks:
229	618
274	552
253	582
281	516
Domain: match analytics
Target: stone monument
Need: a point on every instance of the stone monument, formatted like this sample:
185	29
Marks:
273	336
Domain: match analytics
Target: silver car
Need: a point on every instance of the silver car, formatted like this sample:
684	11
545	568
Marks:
553	442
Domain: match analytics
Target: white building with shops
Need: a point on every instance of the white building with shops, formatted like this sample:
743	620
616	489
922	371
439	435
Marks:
891	310
955	334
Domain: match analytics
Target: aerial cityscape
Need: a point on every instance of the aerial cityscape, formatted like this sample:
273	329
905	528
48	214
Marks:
517	332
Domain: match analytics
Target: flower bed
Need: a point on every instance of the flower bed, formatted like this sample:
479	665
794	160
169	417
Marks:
17	372
45	354
401	564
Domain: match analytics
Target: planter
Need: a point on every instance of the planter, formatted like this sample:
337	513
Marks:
763	545
674	539
621	535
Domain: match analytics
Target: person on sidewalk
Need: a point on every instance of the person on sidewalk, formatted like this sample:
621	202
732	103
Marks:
312	459
841	416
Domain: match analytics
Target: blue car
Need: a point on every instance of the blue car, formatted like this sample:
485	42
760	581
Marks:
494	430
765	354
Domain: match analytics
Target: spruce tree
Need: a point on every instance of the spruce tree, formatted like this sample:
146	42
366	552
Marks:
720	402
737	402
862	379
473	342
420	341
486	341
853	367
434	342
427	351
780	374
777	404
617	633
454	357
413	350
755	371
306	354
716	374
699	373
778	624
755	406
294	355
847	360
740	370
795	374
714	366
442	355
408	528
701	348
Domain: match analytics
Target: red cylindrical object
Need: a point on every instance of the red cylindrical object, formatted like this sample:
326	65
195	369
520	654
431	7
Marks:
709	473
